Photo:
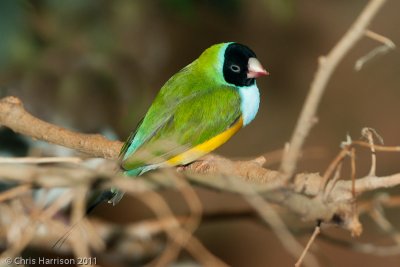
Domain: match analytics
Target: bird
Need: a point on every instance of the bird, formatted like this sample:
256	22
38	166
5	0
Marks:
197	110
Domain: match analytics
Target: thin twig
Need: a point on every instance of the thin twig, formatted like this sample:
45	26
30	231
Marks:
386	46
317	231
327	66
377	147
368	134
335	178
14	192
380	38
353	172
332	167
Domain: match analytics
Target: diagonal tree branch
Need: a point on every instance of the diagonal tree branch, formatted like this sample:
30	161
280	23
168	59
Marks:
327	65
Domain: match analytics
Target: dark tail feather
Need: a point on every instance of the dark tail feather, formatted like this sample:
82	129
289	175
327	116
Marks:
103	197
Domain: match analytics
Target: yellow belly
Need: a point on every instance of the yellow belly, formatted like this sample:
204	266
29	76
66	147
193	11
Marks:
206	147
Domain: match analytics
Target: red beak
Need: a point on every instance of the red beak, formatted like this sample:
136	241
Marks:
255	69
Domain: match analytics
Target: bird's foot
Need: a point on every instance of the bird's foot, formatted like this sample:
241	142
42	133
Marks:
205	165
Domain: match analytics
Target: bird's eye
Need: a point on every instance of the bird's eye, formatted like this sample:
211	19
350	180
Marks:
235	68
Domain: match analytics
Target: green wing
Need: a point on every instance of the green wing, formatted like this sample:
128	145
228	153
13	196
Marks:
179	119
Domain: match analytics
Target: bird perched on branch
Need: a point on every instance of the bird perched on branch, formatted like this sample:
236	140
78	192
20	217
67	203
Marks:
197	110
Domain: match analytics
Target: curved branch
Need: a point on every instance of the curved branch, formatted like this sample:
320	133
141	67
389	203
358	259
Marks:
14	116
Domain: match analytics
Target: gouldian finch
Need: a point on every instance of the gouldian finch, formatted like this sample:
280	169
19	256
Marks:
197	110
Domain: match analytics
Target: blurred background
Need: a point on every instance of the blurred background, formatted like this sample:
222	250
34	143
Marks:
96	65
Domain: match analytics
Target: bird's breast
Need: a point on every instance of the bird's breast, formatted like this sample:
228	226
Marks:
250	101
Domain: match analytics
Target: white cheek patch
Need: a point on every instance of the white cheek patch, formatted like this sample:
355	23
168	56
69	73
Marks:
250	101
